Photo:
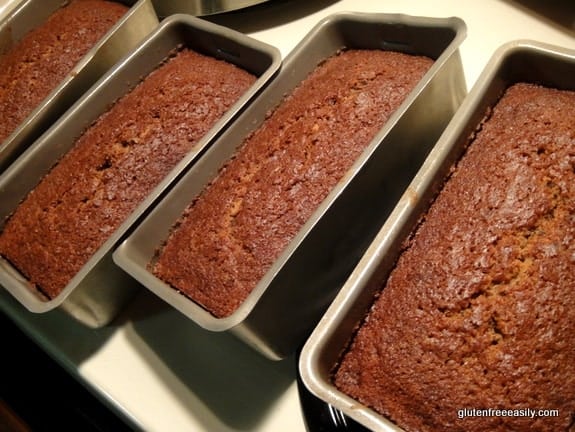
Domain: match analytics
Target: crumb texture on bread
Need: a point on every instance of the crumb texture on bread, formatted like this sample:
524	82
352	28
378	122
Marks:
115	164
35	66
240	224
479	311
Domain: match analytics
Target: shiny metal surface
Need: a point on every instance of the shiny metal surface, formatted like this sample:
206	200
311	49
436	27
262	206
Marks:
100	289
140	20
515	61
201	7
278	315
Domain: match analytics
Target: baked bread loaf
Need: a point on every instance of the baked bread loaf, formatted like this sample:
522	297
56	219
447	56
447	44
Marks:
115	164
33	67
479	311
238	226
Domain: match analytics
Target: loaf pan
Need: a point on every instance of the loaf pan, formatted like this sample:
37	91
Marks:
138	22
201	7
280	312
98	291
517	61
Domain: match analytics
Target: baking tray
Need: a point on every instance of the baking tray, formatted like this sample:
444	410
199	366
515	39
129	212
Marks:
280	312
138	22
100	289
516	61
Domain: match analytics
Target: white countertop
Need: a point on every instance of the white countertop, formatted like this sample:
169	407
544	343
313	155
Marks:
163	372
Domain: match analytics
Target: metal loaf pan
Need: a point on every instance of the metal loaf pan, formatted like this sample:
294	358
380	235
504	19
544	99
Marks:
201	7
98	291
286	304
138	22
517	61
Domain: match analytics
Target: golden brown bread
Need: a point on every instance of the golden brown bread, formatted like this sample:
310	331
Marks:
479	311
239	225
115	164
40	61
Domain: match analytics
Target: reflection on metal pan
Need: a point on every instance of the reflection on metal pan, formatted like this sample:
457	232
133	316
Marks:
202	7
516	61
288	301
